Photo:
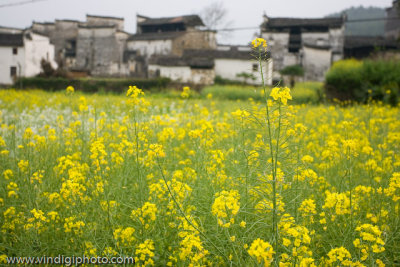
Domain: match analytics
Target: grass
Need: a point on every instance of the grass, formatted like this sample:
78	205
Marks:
303	93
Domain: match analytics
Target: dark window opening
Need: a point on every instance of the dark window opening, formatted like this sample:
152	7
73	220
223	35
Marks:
163	28
13	71
70	48
294	40
255	67
15	50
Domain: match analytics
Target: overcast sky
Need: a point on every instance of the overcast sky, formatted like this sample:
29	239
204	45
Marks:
242	13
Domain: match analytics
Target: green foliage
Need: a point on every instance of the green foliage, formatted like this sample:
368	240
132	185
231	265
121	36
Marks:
103	85
356	80
293	70
219	80
343	81
246	76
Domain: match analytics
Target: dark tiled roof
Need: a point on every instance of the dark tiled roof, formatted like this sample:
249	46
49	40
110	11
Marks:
8	39
9	29
104	17
68	20
156	36
123	32
319	47
202	58
167	61
368	41
190	20
200	62
299	22
233	53
43	23
174	61
38	33
96	26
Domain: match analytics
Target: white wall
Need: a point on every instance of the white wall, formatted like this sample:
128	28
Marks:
35	50
278	43
336	39
149	48
202	76
229	68
183	74
316	63
175	73
276	38
8	60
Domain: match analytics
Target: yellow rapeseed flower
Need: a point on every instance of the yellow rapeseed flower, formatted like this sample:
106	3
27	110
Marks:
70	90
281	94
259	42
262	251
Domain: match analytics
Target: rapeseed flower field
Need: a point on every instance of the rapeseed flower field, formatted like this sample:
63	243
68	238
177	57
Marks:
199	182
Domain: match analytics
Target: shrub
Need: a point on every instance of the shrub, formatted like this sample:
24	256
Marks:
343	80
356	80
219	80
292	71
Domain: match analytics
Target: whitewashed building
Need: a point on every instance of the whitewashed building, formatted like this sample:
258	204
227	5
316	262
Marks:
235	62
166	39
21	53
182	69
304	42
201	66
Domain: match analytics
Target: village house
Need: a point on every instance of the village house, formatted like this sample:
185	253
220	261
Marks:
238	63
95	46
170	36
313	44
21	53
182	69
234	63
181	49
62	34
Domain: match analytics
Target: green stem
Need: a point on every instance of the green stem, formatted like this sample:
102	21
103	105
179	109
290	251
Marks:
274	217
184	215
137	155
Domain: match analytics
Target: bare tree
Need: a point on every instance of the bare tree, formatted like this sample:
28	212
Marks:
214	16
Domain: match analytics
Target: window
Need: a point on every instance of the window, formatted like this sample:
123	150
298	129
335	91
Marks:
255	67
15	50
70	48
294	40
13	71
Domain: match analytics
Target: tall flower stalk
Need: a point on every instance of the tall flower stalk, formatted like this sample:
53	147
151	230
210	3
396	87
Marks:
280	95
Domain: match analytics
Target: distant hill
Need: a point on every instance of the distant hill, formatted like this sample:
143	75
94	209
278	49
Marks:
365	28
